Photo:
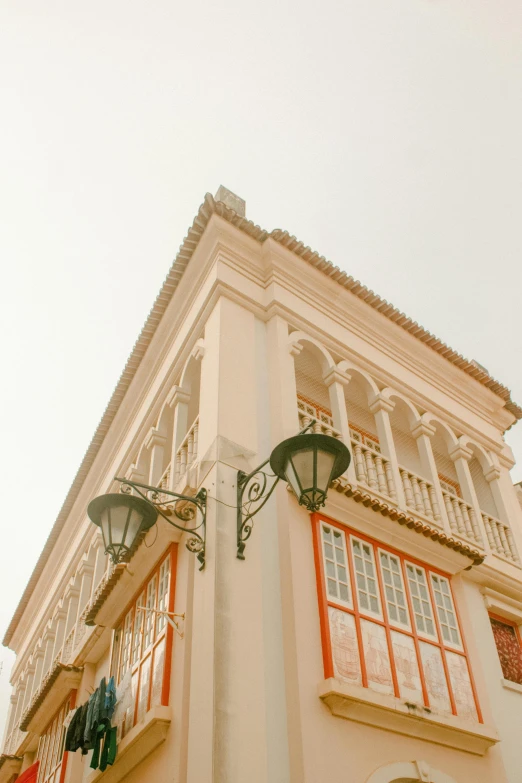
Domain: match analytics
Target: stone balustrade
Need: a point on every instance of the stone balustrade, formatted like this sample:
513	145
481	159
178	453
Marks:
462	518
420	495
323	424
372	469
500	538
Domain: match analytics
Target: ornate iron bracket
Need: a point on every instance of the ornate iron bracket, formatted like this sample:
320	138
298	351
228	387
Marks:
252	494
185	509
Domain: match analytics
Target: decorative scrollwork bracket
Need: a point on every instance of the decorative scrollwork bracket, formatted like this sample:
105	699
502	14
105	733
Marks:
253	491
252	494
185	508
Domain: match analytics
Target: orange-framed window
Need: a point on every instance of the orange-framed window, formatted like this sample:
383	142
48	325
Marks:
53	761
389	623
142	650
509	647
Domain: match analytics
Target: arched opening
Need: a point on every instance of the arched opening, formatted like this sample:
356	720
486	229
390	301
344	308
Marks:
313	398
371	468
186	423
419	492
483	491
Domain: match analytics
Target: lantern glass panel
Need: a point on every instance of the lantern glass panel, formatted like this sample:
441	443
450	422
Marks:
302	463
325	464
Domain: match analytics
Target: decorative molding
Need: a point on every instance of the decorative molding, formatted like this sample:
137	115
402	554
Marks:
198	351
155	438
295	347
380	403
492	474
178	396
362	705
460	452
511	686
423	428
336	376
503	605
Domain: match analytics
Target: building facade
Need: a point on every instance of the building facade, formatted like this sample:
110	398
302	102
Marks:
375	641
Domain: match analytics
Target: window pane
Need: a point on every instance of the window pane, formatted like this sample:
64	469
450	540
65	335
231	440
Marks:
421	608
394	591
138	625
334	558
407	667
445	611
367	592
163	592
149	621
143	699
157	673
345	649
376	656
461	686
435	677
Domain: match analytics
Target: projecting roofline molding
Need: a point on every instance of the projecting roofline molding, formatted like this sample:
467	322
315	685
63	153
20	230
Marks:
208	208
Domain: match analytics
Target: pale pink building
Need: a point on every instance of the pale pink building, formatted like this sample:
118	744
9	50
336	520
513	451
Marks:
375	641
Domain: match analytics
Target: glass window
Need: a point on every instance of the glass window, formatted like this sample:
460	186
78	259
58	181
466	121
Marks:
146	641
423	661
50	747
394	592
420	600
335	564
445	610
365	577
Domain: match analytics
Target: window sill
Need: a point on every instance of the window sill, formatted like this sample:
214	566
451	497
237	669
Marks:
136	745
363	705
511	686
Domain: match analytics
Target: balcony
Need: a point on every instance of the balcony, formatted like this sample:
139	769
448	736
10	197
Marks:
436	502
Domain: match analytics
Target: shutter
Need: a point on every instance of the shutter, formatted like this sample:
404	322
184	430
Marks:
482	488
357	407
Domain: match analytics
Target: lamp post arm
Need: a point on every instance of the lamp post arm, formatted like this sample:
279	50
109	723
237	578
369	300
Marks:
187	512
252	494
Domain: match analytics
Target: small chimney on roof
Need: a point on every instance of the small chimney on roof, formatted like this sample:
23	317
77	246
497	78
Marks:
231	200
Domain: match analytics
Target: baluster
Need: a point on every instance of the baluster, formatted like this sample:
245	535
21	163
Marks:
466	519
425	498
359	464
370	469
317	427
177	474
511	544
489	532
434	504
408	490
389	478
183	454
190	448
496	537
381	478
419	505
474	525
503	541
449	511
458	516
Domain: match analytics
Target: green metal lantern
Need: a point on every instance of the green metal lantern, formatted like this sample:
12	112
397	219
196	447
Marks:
309	463
121	518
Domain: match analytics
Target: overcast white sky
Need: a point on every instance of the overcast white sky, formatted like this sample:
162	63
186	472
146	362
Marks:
384	133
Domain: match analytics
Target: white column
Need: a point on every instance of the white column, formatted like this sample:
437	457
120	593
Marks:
178	400
461	456
155	443
48	651
100	565
59	620
381	407
336	380
423	431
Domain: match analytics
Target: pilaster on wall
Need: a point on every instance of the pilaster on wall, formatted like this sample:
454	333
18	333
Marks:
179	401
156	443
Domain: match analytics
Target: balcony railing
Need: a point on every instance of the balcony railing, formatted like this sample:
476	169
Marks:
420	495
187	452
323	423
500	539
462	518
371	468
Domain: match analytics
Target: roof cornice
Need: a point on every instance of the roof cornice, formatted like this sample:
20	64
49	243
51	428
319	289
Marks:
208	208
